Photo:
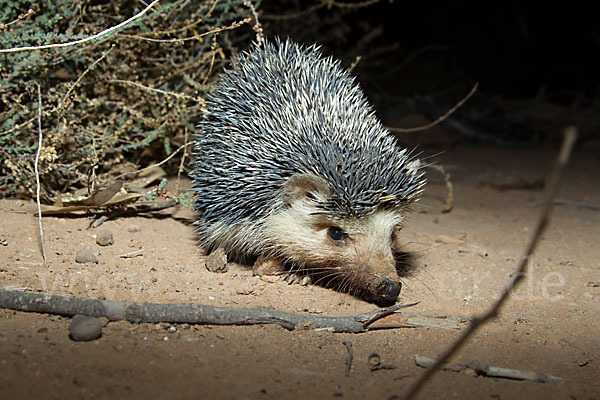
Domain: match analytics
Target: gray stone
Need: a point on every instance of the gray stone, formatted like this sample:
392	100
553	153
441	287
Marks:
104	237
83	329
85	256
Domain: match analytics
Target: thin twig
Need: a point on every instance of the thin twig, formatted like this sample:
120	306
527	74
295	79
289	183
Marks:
84	40
324	3
3	26
213	51
151	89
182	163
66	96
155	165
233	25
37	171
132	254
349	358
449	203
354	64
482	369
361	4
440	119
16	127
298	14
519	274
186	27
387	311
257	27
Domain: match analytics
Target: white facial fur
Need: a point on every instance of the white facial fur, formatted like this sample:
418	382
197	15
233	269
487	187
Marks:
300	236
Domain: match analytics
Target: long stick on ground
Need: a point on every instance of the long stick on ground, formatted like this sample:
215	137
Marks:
519	274
184	312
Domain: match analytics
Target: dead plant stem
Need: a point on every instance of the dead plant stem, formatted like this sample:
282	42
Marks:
521	270
440	119
158	164
37	171
89	68
84	40
182	163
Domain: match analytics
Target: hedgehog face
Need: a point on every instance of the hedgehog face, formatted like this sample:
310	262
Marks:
355	254
364	255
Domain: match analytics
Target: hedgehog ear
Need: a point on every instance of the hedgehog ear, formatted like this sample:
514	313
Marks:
305	187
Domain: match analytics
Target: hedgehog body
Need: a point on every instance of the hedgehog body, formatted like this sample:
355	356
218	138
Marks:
293	167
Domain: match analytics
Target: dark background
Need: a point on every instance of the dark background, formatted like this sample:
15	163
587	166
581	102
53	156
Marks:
522	54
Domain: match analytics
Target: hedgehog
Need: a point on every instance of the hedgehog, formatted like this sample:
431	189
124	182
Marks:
293	170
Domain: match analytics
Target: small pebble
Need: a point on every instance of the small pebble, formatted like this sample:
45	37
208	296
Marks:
133	228
374	360
85	256
84	329
104	237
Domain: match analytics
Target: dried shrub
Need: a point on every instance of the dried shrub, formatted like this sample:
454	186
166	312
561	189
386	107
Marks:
109	105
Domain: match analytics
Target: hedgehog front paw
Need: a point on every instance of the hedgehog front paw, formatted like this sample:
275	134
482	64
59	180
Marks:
271	266
291	278
267	266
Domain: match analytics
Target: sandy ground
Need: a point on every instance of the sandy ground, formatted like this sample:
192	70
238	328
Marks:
464	258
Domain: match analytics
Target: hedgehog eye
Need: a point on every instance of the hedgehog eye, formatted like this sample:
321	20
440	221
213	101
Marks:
336	234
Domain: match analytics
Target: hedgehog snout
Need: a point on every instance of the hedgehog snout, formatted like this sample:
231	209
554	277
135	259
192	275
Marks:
379	280
388	291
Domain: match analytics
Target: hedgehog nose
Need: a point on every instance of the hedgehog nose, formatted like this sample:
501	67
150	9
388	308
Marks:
388	290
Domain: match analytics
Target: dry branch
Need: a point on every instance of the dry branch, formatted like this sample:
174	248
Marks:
449	202
481	368
189	313
521	270
84	40
37	171
440	119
